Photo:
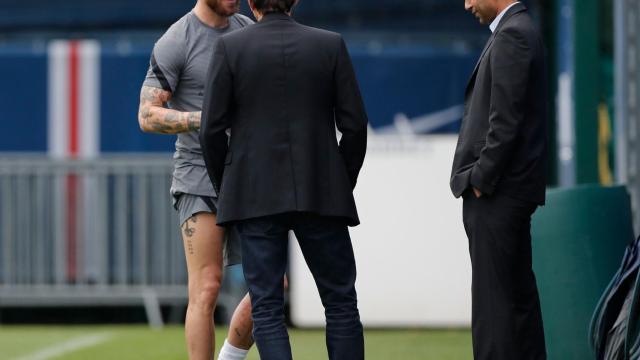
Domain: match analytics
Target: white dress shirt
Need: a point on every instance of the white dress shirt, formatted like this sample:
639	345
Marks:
496	21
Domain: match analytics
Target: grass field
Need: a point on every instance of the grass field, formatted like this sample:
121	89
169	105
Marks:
139	342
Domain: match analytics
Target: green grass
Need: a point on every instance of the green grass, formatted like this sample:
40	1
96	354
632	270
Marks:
139	342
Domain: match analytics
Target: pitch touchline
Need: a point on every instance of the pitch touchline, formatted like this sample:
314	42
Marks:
67	347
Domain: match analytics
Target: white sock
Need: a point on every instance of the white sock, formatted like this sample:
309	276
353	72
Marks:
230	352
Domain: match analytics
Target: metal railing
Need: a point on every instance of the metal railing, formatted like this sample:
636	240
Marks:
90	232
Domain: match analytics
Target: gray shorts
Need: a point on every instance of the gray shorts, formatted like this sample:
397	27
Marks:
189	205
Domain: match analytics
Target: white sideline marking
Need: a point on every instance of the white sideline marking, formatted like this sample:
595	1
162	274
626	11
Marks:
67	347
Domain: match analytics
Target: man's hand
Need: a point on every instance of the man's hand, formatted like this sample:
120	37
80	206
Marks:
477	193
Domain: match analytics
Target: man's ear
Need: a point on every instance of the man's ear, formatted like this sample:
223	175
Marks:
252	7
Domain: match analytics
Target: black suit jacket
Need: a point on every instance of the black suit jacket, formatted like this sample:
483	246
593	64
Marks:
502	146
282	88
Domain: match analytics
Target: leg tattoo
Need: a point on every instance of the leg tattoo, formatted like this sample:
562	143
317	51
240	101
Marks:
190	247
189	232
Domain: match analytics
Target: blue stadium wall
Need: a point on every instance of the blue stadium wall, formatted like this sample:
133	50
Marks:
402	15
412	80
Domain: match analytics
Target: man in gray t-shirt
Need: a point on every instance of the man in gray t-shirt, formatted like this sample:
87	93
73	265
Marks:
170	103
179	65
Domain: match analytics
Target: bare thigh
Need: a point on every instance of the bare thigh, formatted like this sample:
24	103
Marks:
203	242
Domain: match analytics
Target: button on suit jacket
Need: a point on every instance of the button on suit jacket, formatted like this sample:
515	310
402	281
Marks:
282	88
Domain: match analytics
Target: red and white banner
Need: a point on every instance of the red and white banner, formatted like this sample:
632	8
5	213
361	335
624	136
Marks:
74	93
74	133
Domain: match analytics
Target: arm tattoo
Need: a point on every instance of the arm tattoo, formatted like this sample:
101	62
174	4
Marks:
193	121
154	117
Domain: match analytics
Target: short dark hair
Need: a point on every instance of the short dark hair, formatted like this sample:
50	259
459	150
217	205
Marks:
265	6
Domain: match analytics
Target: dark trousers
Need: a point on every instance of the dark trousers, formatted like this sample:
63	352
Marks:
506	316
327	249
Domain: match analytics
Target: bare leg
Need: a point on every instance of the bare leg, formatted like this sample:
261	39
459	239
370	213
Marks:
241	324
203	241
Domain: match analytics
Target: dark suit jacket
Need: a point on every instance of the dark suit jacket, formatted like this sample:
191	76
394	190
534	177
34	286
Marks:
502	146
282	88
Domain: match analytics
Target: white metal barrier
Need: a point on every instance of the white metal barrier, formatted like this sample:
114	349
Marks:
104	232
99	232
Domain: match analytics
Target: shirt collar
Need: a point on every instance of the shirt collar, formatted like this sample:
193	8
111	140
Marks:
496	21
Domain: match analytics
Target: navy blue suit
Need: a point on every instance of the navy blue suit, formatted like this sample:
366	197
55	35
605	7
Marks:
283	88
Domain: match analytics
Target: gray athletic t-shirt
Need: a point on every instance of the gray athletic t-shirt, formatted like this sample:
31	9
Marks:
179	64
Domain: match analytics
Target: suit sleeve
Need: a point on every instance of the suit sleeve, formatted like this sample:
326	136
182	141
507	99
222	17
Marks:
510	67
350	115
216	109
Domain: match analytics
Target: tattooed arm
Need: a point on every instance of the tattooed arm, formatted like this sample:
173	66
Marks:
154	117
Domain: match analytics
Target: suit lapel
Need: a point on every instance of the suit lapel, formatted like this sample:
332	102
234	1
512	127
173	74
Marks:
514	10
475	69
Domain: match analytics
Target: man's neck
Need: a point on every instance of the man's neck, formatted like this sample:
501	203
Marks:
501	11
210	17
503	4
259	16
